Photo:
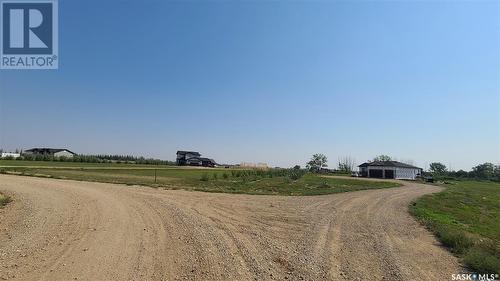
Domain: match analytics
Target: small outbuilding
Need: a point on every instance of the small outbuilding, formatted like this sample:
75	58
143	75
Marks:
389	170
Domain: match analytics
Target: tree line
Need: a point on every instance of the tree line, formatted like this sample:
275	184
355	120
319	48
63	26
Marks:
485	171
99	158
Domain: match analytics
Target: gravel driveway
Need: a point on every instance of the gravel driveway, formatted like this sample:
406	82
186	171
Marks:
70	230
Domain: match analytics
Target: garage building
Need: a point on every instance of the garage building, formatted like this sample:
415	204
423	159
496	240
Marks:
389	170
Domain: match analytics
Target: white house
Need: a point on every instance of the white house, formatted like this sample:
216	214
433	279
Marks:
389	170
56	152
10	154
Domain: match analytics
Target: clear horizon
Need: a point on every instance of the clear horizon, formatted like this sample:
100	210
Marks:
271	82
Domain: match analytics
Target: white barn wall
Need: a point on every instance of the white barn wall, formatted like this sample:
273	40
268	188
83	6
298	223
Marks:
10	154
63	153
406	173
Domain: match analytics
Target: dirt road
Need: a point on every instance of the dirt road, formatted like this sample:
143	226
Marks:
68	230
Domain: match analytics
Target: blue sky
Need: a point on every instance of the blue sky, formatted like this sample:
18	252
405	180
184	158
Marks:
267	82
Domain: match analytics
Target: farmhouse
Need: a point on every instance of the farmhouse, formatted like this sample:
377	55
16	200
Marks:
389	170
193	158
56	152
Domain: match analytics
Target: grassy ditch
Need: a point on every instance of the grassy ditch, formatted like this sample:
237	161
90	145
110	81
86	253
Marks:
466	218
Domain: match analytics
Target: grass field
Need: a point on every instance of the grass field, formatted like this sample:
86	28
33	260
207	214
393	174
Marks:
200	179
466	218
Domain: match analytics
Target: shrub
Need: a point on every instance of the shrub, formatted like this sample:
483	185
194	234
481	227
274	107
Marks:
215	176
204	177
225	176
324	184
259	173
457	240
481	260
295	174
4	200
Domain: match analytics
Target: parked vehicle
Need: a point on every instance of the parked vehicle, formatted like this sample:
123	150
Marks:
428	179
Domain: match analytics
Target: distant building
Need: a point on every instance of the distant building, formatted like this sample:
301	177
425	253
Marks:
193	158
253	165
10	154
183	156
201	161
389	170
56	152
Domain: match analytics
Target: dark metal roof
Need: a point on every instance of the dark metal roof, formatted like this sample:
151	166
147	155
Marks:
201	159
182	152
208	160
388	164
45	150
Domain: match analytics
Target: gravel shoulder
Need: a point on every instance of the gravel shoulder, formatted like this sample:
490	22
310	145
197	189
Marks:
70	230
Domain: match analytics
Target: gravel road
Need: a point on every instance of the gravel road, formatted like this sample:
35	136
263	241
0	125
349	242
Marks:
70	230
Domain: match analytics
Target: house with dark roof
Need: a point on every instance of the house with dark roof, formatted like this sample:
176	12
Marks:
201	161
56	152
389	170
193	158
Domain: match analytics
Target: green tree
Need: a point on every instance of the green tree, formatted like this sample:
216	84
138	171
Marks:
497	173
437	168
317	162
461	174
382	158
346	164
484	171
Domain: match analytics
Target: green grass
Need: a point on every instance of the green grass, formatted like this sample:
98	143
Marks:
200	179
466	218
309	184
4	200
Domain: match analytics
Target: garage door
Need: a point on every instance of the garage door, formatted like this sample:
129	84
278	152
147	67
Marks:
375	173
389	174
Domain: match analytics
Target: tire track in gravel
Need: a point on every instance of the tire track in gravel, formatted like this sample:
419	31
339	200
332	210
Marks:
70	230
